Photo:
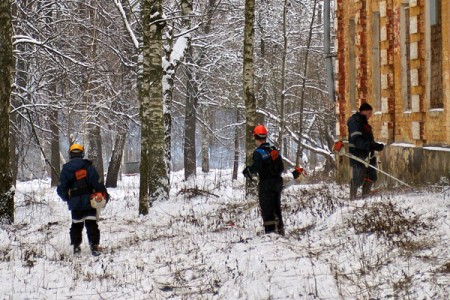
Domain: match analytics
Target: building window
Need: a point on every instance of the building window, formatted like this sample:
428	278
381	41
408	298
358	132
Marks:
376	70
352	64
405	56
434	53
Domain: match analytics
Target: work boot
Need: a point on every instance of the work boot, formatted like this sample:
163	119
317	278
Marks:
353	190
95	250
270	226
76	249
281	230
367	185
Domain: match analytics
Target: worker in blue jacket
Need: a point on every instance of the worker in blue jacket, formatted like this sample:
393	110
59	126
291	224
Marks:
78	181
268	164
362	144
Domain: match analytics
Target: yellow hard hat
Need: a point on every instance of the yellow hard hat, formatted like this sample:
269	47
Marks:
76	148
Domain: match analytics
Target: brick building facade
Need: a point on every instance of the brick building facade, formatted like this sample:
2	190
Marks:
395	55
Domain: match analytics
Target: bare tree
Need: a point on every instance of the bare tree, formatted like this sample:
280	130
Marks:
190	155
236	147
55	159
302	97
6	69
283	79
116	159
206	137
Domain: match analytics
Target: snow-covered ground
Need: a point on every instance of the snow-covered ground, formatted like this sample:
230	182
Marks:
393	245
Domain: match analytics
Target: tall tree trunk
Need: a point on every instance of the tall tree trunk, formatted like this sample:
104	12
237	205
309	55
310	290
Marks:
248	78
190	155
154	180
16	120
302	97
283	82
206	137
6	69
168	78
13	157
95	149
327	50
55	159
190	121
205	140
94	131
21	76
262	83
116	160
236	147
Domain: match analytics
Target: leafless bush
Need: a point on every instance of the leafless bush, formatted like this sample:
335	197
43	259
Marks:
389	222
318	201
445	268
195	192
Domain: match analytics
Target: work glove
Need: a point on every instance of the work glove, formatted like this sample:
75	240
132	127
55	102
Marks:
377	146
247	173
338	147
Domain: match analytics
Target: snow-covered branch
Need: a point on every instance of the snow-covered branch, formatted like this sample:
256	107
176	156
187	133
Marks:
127	23
21	39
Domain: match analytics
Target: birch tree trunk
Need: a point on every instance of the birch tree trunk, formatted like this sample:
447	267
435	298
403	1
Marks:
6	69
168	84
154	180
248	78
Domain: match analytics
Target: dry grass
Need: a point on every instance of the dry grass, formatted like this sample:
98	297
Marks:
396	226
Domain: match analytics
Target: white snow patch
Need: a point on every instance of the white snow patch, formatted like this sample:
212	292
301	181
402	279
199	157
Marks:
210	245
437	149
404	145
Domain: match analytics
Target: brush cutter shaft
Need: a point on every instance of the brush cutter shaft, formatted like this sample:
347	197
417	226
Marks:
371	166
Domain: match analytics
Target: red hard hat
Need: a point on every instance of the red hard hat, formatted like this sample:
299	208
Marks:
260	131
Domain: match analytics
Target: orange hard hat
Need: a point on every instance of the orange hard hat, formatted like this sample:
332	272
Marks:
260	131
76	148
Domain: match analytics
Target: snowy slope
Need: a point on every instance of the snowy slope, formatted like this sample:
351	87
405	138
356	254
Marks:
211	246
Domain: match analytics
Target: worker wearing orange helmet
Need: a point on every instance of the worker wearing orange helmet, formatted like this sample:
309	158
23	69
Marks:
78	181
268	164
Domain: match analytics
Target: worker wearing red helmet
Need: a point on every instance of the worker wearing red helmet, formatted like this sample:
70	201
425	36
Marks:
268	164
